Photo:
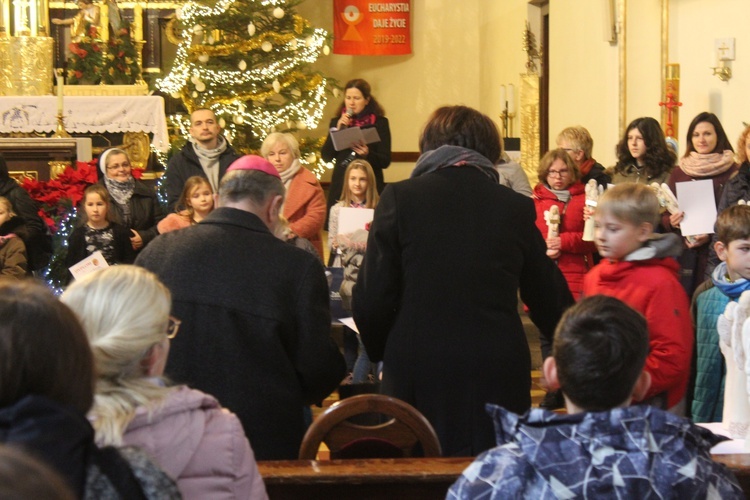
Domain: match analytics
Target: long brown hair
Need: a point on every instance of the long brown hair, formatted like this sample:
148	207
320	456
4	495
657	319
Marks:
371	196
182	207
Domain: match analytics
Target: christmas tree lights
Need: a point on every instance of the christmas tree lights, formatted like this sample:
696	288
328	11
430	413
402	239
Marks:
250	61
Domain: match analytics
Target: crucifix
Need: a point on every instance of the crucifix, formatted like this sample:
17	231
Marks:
671	102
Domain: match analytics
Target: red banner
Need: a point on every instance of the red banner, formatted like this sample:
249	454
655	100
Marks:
372	27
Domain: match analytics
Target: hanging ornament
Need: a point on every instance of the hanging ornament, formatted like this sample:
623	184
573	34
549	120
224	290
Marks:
251	29
242	107
195	79
276	86
311	158
176	95
278	12
178	13
198	30
293	44
200	86
210	40
242	65
296	93
301	125
239	120
336	93
326	49
194	94
222	122
266	46
203	58
308	41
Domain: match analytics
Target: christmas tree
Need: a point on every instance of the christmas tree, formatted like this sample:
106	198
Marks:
250	61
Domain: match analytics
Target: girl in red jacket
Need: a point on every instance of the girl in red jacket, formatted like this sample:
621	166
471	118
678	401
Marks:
559	186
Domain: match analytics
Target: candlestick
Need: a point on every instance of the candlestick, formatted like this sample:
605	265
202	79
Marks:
511	100
60	85
138	22
104	22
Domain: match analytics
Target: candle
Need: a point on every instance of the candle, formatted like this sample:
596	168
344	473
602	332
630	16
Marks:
511	100
138	22
104	22
503	100
59	92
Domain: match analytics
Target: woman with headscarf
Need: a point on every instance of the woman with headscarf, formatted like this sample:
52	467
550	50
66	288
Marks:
134	205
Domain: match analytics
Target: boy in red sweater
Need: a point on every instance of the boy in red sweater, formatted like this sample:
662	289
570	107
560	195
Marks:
638	268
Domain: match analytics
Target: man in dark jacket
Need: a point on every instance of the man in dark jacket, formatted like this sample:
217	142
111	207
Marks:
254	309
206	154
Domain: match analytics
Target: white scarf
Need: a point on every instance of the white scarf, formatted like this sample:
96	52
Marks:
209	159
288	174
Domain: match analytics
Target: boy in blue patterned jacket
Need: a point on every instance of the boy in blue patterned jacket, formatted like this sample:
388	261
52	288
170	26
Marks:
730	278
603	448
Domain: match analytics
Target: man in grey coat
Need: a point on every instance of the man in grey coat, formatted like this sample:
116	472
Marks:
255	318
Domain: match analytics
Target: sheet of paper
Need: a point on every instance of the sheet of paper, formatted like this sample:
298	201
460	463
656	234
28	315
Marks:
89	264
731	447
696	199
348	137
349	322
351	219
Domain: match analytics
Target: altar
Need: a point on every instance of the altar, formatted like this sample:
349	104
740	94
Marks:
87	115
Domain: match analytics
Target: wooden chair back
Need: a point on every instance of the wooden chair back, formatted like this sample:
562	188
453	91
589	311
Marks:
402	435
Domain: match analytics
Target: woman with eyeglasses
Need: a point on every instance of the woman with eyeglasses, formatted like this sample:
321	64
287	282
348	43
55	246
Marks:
134	205
125	313
560	186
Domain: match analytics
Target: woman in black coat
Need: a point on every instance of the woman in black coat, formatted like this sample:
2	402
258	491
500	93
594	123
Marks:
359	109
436	298
134	204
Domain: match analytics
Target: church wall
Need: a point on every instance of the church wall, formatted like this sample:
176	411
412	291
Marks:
463	55
694	26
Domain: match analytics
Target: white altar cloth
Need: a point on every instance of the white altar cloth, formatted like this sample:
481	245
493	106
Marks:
87	114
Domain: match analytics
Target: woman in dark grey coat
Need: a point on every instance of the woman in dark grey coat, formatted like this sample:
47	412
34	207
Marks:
134	205
436	298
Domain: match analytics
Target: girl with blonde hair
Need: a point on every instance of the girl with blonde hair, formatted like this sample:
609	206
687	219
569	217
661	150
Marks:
125	313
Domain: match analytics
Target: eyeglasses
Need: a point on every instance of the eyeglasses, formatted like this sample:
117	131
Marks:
557	173
126	166
173	327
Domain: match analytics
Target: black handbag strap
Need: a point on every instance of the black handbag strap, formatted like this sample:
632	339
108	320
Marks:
119	473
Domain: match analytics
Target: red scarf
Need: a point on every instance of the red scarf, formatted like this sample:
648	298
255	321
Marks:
585	167
360	120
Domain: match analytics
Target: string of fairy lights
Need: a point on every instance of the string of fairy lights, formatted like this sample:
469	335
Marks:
258	82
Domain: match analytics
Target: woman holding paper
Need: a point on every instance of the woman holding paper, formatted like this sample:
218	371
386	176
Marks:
305	204
359	109
709	156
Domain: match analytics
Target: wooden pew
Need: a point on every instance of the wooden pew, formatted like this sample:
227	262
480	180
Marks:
361	479
412	478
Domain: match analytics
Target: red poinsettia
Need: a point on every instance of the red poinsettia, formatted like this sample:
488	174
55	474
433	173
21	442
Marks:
57	197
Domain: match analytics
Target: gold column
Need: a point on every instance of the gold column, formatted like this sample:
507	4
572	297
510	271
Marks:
529	118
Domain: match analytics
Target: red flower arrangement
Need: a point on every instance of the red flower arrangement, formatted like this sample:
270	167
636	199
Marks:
57	197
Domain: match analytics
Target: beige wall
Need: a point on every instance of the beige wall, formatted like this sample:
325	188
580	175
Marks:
463	52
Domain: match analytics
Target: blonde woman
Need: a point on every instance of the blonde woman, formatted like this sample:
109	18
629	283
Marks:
125	313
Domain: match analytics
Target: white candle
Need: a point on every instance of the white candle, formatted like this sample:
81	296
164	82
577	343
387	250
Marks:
511	100
59	92
502	98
